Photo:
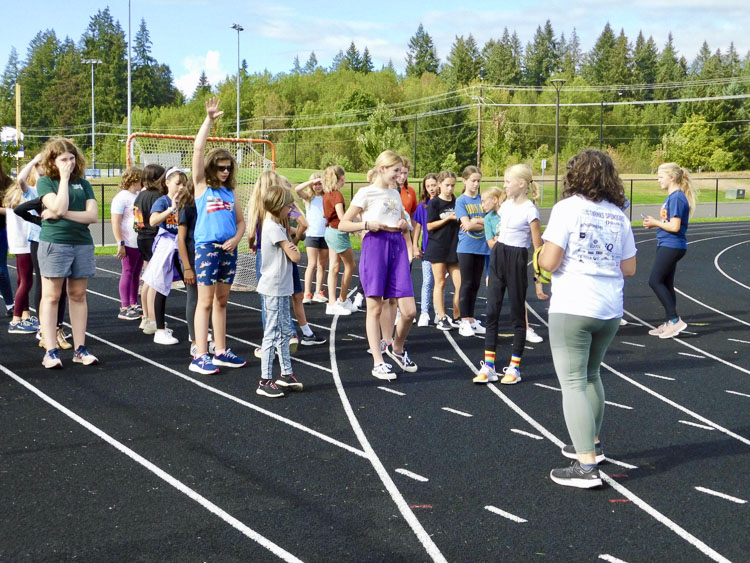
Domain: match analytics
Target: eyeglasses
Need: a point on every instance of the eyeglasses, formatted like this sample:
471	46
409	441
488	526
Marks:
225	168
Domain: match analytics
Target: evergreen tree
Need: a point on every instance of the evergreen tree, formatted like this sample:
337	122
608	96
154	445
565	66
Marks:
312	64
730	62
645	62
542	60
338	61
464	61
203	87
422	54
598	67
69	82
669	69
296	68
35	79
352	60
142	46
8	87
382	133
704	54
620	71
570	51
366	65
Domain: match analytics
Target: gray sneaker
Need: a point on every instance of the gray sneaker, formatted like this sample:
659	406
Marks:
570	452
575	476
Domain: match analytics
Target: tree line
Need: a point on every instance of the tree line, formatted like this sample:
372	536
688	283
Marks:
349	111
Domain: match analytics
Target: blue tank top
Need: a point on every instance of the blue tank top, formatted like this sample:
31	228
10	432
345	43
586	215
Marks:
215	221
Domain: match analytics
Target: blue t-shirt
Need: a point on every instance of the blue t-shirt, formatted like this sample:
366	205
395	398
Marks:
171	222
470	242
420	216
187	218
215	220
676	205
491	225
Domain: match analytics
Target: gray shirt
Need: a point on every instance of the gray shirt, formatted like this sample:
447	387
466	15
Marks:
276	268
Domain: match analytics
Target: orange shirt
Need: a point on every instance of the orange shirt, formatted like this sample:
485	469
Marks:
409	199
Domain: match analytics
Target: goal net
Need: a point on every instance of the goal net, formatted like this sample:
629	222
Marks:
253	156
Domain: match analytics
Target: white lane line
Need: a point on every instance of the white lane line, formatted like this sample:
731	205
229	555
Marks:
523	433
504	514
738	393
621	463
633	344
389	390
720	495
527	347
611	558
618	405
660	376
722	272
163	475
717	311
705	427
412	475
442	360
454	411
357	336
547	387
692	355
737	340
427	542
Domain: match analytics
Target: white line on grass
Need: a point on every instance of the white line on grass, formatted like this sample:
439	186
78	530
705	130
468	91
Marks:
504	514
660	376
389	390
720	495
524	433
738	393
163	475
692	355
442	360
454	411
633	344
705	427
412	475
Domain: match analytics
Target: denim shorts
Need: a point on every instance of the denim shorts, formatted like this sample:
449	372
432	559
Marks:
66	260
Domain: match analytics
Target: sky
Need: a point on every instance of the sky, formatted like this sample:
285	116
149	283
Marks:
195	35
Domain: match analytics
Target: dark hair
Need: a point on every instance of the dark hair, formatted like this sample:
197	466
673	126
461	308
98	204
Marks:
151	178
212	168
592	175
424	196
469	170
54	148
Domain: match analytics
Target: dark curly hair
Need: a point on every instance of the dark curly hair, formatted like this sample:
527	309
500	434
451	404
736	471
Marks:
592	175
54	148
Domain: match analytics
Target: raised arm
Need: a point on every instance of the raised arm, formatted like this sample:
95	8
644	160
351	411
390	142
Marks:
23	175
199	147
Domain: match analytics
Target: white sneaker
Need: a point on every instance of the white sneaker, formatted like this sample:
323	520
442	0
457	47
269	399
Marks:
350	305
623	322
144	323
358	300
424	320
436	320
384	371
150	327
486	374
293	344
337	308
464	329
477	327
164	337
533	337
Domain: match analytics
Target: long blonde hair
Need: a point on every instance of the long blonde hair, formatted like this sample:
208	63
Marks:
497	192
524	172
255	208
683	181
13	197
331	177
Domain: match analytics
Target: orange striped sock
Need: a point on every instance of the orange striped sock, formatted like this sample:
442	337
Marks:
489	359
515	361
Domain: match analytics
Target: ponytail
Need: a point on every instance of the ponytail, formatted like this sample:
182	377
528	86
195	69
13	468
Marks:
681	177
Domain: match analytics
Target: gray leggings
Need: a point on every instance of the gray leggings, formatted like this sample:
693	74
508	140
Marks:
578	347
190	303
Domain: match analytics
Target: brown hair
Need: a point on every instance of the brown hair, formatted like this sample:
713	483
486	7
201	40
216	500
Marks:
131	176
446	174
424	196
212	168
151	178
592	175
188	195
469	170
275	198
54	148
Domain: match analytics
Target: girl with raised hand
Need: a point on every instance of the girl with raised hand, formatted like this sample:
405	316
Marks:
429	191
219	227
519	228
316	247
588	247
339	245
66	249
472	249
442	227
671	242
384	261
127	243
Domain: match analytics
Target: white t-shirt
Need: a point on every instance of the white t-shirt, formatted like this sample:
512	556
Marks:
515	221
315	218
596	237
122	204
275	268
18	233
380	204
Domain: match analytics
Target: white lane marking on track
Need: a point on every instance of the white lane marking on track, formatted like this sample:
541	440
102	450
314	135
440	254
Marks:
611	558
704	426
427	542
160	473
389	390
633	344
508	515
357	336
676	528
442	360
737	340
618	405
527	347
692	355
720	495
524	433
621	463
660	376
717	311
722	272
454	411
738	393
547	387
412	475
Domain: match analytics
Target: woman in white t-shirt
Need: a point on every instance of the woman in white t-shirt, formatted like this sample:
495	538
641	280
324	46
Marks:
121	214
588	247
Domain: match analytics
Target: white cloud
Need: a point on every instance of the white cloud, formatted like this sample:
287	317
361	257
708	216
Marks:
210	63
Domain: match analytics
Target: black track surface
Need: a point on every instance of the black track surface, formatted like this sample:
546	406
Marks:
68	494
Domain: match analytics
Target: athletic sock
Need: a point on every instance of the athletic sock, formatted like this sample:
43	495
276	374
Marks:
587	466
306	330
515	361
675	320
489	359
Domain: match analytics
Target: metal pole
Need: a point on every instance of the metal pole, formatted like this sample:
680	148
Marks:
716	199
130	98
92	62
295	147
239	28
479	130
416	124
558	84
601	125
102	215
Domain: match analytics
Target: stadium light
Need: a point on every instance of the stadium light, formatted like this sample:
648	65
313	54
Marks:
558	84
238	28
92	62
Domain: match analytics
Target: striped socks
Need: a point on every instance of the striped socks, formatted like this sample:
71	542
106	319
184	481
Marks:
515	361
489	359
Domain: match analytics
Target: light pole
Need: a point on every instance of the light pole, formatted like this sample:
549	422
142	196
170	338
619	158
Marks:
238	28
92	62
558	84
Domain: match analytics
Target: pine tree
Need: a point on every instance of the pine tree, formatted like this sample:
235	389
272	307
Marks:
669	69
704	54
338	61
203	87
35	79
464	61
571	55
7	87
542	60
422	54
142	46
620	71
366	65
312	64
352	60
730	62
598	67
296	68
645	62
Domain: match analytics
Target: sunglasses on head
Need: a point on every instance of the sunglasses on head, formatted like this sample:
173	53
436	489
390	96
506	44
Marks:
225	168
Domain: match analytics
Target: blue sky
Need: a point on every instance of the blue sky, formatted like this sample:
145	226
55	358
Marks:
195	35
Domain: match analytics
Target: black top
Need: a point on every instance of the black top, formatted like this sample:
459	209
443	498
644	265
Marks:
24	211
442	242
142	212
187	217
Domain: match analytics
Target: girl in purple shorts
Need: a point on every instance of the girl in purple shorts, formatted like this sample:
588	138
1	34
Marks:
384	262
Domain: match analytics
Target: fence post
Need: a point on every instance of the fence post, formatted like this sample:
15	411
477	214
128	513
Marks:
102	214
631	200
351	191
716	200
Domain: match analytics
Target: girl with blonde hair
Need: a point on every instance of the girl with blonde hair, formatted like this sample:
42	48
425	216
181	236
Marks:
316	247
339	244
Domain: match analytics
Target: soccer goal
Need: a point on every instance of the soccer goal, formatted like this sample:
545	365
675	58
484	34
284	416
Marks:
253	156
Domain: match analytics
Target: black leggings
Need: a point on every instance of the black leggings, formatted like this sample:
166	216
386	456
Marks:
662	277
471	266
160	300
507	272
37	291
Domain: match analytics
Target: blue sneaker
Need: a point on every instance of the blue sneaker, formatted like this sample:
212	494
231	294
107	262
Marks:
203	365
34	321
52	359
82	356
21	327
229	359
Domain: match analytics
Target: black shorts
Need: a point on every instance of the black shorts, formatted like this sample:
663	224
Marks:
316	242
146	248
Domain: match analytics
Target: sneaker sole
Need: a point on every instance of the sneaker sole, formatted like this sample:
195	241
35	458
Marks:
516	380
57	365
289	386
444	329
85	363
270	395
488	380
196	369
312	342
599	458
21	331
228	364
577	483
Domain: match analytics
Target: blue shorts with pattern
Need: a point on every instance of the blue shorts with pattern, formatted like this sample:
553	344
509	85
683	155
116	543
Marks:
214	265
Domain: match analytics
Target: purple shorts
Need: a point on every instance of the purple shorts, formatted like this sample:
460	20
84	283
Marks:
384	266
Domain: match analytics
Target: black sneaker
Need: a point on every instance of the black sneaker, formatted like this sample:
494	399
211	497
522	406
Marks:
268	388
311	340
289	382
575	476
445	324
570	452
402	360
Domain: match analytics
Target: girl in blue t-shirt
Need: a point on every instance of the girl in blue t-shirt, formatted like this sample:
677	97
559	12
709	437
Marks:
429	190
219	227
671	242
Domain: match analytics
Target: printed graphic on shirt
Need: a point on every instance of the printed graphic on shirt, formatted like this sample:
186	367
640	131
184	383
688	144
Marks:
475	210
138	223
447	212
77	187
664	214
599	238
215	203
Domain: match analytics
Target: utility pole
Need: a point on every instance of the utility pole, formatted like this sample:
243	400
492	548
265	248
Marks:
558	84
92	62
238	28
479	128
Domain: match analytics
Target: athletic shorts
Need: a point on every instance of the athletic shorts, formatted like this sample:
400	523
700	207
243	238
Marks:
316	242
214	265
384	269
295	279
338	241
146	248
66	260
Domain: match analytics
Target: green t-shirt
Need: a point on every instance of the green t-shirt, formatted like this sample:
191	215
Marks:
64	231
491	225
